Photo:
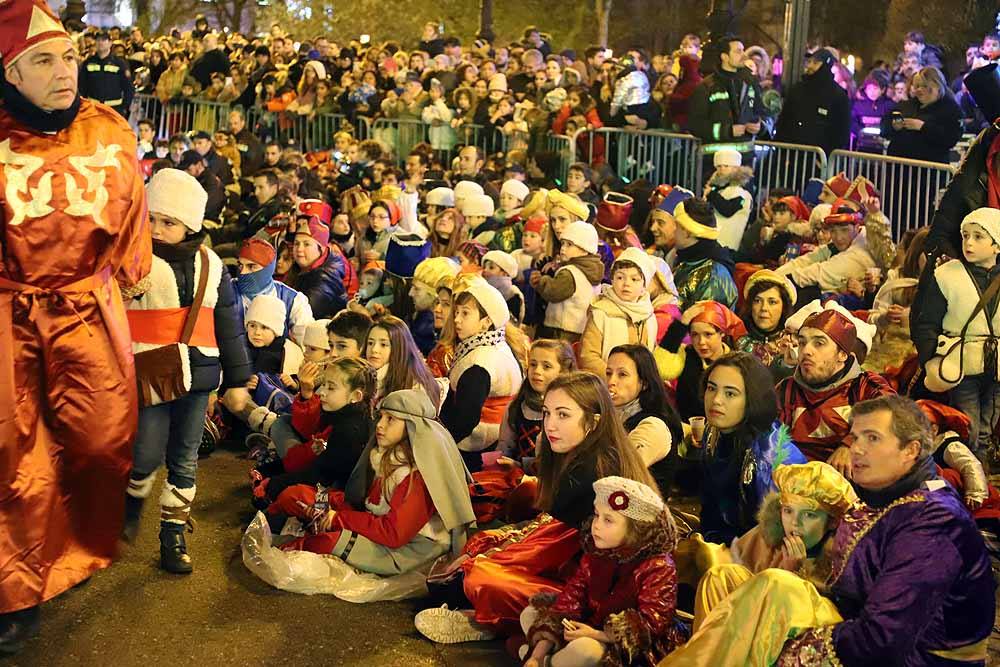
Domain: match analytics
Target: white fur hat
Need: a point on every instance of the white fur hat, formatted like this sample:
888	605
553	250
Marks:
491	300
581	234
641	259
988	219
441	197
865	332
503	260
268	310
316	335
465	189
516	188
179	195
629	497
727	157
476	205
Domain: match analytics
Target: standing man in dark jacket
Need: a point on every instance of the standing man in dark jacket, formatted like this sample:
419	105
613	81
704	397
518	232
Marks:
212	59
816	111
727	105
105	78
247	143
194	163
248	97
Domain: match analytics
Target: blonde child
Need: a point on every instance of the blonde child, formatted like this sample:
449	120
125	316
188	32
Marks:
620	605
622	314
406	502
570	291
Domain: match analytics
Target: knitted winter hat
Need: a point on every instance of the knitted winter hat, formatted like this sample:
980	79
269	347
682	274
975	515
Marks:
405	252
673	197
441	197
571	203
179	195
316	335
727	157
314	229
498	82
641	259
317	207
491	300
258	251
988	219
819	213
614	211
769	276
582	235
464	189
798	207
629	497
535	224
476	205
515	188
706	230
435	272
503	260
268	310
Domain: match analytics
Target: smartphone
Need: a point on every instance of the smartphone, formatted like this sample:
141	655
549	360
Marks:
365	39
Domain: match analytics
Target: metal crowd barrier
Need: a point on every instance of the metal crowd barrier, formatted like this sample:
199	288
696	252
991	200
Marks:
655	155
400	135
173	117
779	165
909	188
561	146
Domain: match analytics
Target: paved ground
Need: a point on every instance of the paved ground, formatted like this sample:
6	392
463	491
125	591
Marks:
135	614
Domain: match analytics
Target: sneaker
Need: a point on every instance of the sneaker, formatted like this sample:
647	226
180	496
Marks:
258	445
448	626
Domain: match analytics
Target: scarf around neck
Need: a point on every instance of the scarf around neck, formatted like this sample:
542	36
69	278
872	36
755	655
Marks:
636	311
178	252
923	471
629	409
492	337
256	282
28	114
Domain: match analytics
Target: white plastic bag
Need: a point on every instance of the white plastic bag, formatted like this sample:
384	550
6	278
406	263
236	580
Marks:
311	573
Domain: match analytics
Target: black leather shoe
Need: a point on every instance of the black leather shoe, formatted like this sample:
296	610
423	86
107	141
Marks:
16	628
174	557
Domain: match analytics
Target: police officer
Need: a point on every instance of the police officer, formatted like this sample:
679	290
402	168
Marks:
105	78
817	111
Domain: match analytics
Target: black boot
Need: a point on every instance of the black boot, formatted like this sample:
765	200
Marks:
16	628
133	512
174	557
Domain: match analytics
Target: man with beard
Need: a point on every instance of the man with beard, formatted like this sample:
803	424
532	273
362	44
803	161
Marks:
74	239
816	111
816	401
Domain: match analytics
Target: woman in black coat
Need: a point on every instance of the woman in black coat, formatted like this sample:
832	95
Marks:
929	124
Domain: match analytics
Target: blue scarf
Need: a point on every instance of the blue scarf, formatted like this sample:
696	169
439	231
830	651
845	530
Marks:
252	284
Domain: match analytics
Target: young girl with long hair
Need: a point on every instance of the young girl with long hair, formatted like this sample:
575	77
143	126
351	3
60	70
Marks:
397	362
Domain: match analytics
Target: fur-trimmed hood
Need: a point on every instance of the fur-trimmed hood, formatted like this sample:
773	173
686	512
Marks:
739	177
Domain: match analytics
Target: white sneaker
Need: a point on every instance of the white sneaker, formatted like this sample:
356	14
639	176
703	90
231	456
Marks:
447	626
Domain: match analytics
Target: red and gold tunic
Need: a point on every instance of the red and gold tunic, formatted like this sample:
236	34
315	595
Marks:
73	229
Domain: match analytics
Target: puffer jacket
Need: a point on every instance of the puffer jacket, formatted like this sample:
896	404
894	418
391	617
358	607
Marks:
323	285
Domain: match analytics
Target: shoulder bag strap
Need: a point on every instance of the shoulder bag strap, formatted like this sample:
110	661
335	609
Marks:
984	298
199	298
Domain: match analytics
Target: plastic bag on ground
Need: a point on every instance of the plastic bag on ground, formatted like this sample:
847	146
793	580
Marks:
310	573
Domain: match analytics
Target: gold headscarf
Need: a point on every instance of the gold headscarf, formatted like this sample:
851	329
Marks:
817	485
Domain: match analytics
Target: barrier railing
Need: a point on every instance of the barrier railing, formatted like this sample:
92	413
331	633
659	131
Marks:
561	146
402	134
909	188
184	116
779	165
655	155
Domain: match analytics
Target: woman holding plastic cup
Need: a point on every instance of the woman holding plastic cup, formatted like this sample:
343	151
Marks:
743	443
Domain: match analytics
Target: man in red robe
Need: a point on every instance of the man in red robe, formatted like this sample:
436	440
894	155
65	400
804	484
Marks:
74	237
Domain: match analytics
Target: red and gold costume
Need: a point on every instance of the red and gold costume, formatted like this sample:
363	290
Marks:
74	230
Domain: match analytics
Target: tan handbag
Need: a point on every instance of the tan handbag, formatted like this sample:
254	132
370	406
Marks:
160	371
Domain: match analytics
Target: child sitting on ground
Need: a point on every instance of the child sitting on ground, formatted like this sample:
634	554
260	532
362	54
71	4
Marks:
620	605
622	314
406	502
570	291
347	333
275	357
478	213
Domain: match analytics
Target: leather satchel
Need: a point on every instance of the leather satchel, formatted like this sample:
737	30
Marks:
160	371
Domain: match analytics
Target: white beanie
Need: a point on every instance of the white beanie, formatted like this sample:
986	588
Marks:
988	219
465	189
316	335
441	197
641	259
268	310
581	234
476	205
516	188
498	82
505	261
629	497
491	300
177	194
727	157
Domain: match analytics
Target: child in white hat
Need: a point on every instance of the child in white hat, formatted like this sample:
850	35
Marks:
478	210
622	600
271	352
956	339
726	191
500	269
622	314
570	291
513	194
184	341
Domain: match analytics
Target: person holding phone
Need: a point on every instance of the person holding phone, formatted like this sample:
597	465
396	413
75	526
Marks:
928	125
